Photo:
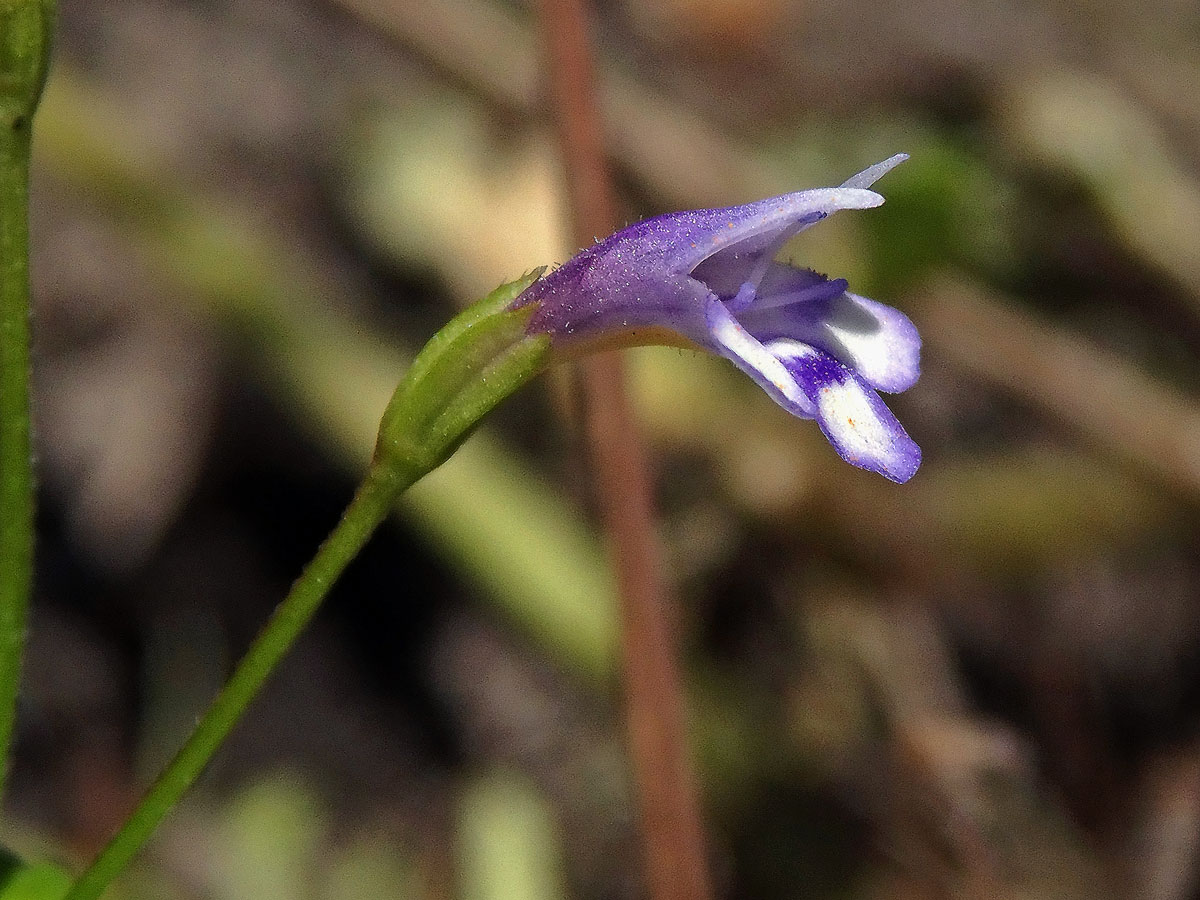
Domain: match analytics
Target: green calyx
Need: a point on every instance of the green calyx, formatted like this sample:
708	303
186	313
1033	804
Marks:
479	358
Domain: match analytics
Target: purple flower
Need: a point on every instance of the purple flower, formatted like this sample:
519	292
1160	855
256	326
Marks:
709	277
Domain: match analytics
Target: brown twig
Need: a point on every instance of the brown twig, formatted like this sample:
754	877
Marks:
1106	398
674	842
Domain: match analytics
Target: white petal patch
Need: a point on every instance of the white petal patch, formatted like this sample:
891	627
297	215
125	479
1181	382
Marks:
857	422
757	361
887	355
852	422
879	343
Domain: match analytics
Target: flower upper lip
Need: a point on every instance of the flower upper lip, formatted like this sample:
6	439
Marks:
751	226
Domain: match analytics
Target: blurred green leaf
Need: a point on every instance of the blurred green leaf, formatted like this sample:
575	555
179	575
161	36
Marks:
1087	126
434	183
508	842
1033	510
269	843
371	867
31	881
945	208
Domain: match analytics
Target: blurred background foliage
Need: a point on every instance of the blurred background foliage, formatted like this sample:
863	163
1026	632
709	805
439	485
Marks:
249	214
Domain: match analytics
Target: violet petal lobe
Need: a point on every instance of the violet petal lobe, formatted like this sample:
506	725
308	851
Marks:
857	423
879	342
729	338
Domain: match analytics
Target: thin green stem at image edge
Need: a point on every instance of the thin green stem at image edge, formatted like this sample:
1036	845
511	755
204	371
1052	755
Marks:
25	32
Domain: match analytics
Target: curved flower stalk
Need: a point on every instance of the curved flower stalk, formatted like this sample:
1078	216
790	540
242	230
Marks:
709	278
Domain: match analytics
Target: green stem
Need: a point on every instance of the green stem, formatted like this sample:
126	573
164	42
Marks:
24	52
16	467
368	508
